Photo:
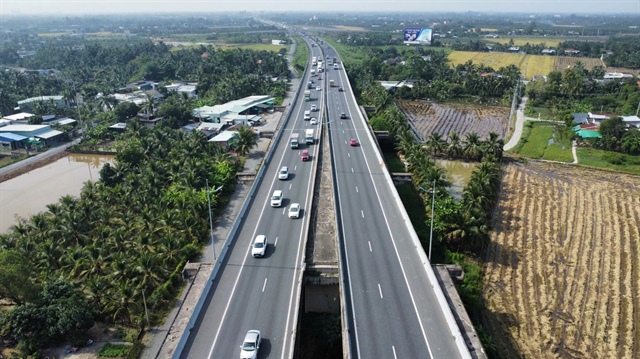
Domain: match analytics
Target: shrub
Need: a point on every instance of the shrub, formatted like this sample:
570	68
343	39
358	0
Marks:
114	351
614	158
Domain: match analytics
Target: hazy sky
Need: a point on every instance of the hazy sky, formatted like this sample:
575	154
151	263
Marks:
54	7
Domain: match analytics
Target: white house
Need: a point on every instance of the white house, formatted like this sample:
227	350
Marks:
189	89
28	103
617	75
631	121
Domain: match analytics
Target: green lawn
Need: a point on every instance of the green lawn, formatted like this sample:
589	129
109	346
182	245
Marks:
539	112
609	160
535	142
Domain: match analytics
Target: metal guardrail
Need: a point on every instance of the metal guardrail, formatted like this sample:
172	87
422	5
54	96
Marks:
232	234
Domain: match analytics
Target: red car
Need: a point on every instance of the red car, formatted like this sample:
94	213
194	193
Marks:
305	155
353	142
319	77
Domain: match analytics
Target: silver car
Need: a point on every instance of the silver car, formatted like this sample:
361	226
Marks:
283	174
251	345
259	247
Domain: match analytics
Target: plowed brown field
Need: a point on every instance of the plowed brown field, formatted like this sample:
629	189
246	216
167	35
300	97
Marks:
563	270
429	117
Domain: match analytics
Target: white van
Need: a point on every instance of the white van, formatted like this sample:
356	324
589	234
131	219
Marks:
307	115
276	199
314	108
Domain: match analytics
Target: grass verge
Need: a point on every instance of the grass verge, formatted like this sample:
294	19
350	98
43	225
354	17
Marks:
609	160
300	56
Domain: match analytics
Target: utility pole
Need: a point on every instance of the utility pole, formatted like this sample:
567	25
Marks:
433	201
213	247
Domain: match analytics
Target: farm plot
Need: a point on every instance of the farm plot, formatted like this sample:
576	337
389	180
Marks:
429	117
529	65
567	62
562	275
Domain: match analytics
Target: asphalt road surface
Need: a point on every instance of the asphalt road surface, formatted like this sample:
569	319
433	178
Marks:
262	293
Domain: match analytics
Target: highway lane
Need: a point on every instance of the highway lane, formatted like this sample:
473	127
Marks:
395	312
261	293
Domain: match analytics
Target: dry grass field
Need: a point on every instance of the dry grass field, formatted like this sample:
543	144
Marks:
562	276
565	62
350	28
429	117
529	65
519	41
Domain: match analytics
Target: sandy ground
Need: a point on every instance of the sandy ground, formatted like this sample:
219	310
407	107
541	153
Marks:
562	276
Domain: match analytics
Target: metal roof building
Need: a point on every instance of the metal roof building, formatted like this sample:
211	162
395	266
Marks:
218	112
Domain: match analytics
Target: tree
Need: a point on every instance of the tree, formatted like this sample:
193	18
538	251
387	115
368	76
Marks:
59	313
631	142
15	277
125	110
246	140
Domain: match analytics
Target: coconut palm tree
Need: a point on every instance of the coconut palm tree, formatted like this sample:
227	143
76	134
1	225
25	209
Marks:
472	148
246	139
454	146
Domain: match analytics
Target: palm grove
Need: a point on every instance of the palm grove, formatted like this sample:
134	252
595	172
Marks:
127	237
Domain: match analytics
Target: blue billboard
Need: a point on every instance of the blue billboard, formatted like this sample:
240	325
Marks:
416	35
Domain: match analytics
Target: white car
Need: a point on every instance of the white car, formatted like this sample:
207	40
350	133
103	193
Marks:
284	173
251	345
318	88
314	108
294	210
259	247
276	198
313	121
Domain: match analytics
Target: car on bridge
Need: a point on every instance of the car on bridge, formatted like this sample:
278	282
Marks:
276	198
284	173
251	345
259	247
294	210
305	155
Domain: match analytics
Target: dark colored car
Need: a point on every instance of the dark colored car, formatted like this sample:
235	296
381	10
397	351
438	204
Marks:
343	115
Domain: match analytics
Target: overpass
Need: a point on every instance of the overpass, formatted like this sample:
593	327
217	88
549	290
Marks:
393	305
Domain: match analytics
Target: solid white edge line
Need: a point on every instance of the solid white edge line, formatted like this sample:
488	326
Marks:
235	284
404	274
300	252
346	259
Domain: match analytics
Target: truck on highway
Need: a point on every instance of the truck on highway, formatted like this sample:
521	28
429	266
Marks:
294	140
314	61
307	95
313	72
332	83
308	137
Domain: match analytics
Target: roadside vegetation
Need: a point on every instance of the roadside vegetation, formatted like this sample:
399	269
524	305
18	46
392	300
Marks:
300	56
125	238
